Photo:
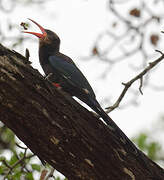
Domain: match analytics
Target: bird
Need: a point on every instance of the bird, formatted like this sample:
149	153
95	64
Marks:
64	74
63	71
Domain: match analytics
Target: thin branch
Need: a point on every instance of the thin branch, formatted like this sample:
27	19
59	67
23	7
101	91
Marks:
15	164
129	83
21	147
141	83
50	174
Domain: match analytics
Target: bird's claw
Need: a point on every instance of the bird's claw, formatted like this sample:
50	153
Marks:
48	76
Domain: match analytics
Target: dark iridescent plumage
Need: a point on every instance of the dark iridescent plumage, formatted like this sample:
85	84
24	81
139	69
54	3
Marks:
64	71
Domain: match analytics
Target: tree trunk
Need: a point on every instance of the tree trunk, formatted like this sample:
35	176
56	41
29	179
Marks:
62	132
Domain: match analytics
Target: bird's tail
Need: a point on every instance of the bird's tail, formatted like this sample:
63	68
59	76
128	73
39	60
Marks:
97	108
93	104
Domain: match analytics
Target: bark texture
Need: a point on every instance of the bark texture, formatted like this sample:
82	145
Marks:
63	133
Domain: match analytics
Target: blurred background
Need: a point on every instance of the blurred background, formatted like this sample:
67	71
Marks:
111	41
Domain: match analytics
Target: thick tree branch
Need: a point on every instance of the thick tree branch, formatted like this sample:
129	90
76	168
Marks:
63	133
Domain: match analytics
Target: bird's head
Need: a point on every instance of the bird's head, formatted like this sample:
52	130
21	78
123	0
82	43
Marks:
46	38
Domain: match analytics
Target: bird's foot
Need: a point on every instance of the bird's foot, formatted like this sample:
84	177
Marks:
48	76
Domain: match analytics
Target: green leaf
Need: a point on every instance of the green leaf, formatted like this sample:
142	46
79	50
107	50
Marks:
29	176
2	158
7	137
2	169
36	167
13	159
58	178
21	154
17	176
153	150
27	160
141	141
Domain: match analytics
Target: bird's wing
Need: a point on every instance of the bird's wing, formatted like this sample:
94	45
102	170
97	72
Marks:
71	73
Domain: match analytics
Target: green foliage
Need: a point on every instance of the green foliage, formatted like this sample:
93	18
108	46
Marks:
58	178
17	176
29	176
153	149
150	147
146	141
36	167
13	159
18	165
7	140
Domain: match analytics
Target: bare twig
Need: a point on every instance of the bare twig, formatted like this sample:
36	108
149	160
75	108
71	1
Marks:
6	164
130	41
129	83
141	83
15	164
50	174
21	147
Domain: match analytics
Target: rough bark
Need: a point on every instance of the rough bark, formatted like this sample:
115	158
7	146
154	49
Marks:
63	133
